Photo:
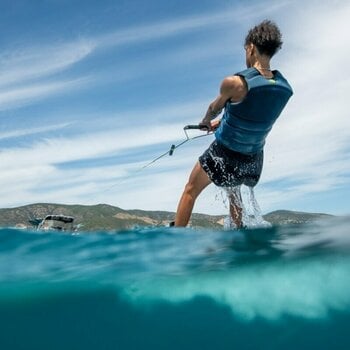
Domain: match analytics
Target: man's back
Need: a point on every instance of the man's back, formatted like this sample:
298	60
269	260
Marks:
246	123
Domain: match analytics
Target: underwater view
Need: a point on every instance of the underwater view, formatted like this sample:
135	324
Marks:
281	287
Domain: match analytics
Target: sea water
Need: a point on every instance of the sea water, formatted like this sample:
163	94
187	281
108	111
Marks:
282	287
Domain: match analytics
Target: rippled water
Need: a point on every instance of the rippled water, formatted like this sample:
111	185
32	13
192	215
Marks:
168	288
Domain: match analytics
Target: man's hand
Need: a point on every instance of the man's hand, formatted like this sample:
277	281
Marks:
211	126
215	124
204	126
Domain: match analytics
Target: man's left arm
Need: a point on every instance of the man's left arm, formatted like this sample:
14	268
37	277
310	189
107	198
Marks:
227	90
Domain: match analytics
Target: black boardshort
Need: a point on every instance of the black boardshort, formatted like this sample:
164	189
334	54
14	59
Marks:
227	168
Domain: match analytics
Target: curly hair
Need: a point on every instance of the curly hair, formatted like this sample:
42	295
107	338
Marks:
266	36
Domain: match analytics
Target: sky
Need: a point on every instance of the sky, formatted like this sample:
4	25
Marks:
91	91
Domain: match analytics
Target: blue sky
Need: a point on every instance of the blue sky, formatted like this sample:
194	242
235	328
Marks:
90	91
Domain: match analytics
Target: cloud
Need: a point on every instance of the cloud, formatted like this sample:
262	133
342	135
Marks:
36	174
29	63
309	144
32	131
20	96
30	166
171	27
24	71
27	75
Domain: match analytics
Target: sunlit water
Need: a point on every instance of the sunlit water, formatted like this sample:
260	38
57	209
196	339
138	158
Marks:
168	288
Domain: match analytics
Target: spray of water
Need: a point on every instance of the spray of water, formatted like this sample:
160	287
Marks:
241	199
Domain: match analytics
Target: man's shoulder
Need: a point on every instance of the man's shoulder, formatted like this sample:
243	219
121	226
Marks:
233	88
232	82
238	80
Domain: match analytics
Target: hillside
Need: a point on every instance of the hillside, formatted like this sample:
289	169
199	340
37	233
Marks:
99	217
286	217
107	217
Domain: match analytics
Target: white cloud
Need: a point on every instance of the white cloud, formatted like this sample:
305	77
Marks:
27	168
309	144
27	75
35	176
31	131
19	96
20	65
159	30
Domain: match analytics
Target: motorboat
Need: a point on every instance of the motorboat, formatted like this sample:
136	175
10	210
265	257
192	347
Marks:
56	223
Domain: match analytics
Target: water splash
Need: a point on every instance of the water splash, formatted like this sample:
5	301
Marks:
244	198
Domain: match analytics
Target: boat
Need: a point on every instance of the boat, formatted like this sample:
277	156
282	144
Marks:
56	223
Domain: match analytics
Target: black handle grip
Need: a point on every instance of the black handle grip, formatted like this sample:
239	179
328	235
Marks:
197	127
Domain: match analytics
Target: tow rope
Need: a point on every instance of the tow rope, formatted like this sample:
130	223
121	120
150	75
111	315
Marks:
188	138
167	153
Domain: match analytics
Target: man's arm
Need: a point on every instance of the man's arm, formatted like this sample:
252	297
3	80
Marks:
231	88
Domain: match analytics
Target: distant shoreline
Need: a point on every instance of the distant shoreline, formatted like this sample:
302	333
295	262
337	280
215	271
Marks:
108	217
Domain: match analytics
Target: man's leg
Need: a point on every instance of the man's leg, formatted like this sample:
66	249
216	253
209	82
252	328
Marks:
235	199
197	182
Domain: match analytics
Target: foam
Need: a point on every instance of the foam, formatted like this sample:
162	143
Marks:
305	288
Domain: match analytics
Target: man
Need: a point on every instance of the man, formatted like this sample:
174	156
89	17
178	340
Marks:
253	99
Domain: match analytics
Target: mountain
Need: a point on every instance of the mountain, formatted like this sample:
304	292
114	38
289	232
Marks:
99	217
286	217
107	217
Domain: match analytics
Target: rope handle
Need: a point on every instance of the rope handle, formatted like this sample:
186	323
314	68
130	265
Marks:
196	127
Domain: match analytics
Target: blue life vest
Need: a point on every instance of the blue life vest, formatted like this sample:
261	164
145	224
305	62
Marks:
245	125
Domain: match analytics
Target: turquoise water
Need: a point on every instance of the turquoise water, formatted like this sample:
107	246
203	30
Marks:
162	288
